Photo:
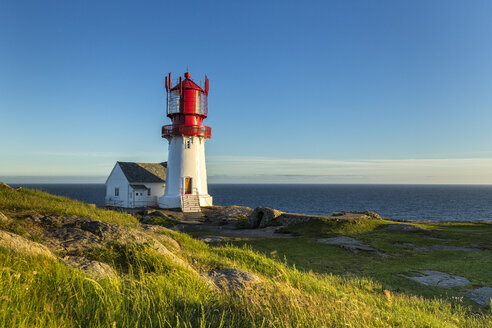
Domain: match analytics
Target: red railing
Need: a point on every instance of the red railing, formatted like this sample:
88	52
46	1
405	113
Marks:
193	130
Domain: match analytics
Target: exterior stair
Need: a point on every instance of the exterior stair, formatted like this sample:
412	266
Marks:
191	205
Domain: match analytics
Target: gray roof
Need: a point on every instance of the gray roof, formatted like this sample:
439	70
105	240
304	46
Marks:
144	172
138	187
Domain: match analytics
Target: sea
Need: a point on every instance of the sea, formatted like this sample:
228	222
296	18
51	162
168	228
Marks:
412	202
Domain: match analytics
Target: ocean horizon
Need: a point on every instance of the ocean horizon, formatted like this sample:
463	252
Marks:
396	201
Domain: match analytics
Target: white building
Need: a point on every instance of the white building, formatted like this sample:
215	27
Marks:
133	185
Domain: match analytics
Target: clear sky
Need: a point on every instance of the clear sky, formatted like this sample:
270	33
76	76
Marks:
301	91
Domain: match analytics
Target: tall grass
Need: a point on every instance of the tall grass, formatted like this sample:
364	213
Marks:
38	292
22	202
151	291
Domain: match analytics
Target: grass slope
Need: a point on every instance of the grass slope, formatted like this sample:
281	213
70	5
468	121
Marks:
149	291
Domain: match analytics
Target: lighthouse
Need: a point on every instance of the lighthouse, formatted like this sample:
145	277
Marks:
186	174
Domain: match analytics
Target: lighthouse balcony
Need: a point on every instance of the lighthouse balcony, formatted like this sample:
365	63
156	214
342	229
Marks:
191	130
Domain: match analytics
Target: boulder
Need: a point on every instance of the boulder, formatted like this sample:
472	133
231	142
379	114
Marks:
482	296
263	217
233	279
439	279
22	245
93	268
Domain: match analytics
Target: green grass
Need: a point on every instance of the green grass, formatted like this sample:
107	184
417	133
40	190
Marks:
306	254
23	202
151	291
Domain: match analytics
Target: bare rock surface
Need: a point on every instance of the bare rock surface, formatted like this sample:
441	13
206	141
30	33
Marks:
434	238
404	227
74	235
357	214
213	239
93	268
230	213
432	248
437	278
404	245
263	216
233	279
3	218
482	295
22	245
350	244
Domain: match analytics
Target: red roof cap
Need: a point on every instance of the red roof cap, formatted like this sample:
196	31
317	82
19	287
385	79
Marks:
187	83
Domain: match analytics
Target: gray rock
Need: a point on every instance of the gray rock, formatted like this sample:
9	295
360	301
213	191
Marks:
71	240
22	245
403	227
348	243
3	218
445	248
74	235
213	239
93	268
262	217
482	295
439	279
404	245
433	238
233	279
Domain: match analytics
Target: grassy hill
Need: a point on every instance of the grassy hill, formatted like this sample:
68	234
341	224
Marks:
152	290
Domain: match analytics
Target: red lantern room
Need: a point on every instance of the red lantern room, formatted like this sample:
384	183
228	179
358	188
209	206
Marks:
186	107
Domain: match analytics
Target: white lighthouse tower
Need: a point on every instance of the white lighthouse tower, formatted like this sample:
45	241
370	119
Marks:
186	176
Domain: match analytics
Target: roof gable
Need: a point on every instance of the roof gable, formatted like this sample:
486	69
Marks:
144	172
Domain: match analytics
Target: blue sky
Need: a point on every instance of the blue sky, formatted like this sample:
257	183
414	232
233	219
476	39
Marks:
301	92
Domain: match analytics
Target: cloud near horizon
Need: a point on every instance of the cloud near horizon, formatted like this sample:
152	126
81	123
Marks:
237	169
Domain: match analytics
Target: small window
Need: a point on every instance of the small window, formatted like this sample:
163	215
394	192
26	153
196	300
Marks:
188	144
116	192
148	192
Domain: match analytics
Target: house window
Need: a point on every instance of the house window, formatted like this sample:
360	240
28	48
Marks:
116	192
148	192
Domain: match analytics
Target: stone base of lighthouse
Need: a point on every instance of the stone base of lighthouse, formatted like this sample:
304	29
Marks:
186	171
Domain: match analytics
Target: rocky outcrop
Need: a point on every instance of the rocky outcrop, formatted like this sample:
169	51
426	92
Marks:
158	233
93	268
482	296
263	217
22	245
358	214
233	279
437	278
72	235
351	244
213	239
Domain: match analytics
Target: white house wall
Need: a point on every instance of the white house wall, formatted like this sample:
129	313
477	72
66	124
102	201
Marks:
117	179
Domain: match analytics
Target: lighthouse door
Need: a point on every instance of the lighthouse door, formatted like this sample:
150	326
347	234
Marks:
187	185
